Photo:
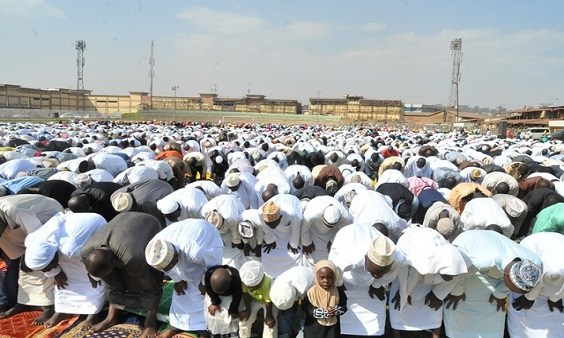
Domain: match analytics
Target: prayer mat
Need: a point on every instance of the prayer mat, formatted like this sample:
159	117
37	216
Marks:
20	325
178	335
118	331
74	331
164	304
53	332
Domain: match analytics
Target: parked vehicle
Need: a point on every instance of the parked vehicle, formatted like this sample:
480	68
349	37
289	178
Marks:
535	133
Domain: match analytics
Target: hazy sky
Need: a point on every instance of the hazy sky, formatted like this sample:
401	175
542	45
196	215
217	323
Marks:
513	50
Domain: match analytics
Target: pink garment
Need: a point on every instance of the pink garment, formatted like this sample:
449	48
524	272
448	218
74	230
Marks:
417	184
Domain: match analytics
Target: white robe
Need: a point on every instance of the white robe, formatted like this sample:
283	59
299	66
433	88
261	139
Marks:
365	316
314	229
539	321
286	233
78	297
231	209
428	255
489	253
199	247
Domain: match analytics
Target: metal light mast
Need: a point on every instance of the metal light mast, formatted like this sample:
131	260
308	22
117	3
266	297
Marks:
151	74
456	53
80	46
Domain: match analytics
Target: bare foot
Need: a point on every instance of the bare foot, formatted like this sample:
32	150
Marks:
48	312
105	324
169	333
149	332
57	318
19	308
89	321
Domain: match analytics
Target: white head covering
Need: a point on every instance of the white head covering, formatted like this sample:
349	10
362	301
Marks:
167	206
282	295
331	215
159	253
82	180
39	255
525	275
122	201
381	252
251	273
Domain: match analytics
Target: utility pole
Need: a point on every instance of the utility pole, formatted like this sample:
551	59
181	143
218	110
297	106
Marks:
456	53
151	75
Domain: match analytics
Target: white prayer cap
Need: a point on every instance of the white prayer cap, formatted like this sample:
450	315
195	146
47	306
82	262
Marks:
82	180
216	219
246	229
514	208
282	295
446	227
232	180
159	253
525	275
122	201
167	206
331	215
381	252
251	273
331	186
39	255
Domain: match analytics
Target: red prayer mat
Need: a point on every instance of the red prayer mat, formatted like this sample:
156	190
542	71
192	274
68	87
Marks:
20	325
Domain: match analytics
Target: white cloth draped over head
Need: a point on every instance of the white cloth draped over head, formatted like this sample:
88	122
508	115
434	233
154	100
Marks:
429	253
481	212
230	209
492	179
42	244
76	230
392	176
363	211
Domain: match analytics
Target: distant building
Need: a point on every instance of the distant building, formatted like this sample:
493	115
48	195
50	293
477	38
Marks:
252	103
69	100
536	116
357	108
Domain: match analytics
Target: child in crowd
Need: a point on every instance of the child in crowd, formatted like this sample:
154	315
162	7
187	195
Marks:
324	302
223	296
256	295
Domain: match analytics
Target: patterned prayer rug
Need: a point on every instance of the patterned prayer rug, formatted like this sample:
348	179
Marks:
20	325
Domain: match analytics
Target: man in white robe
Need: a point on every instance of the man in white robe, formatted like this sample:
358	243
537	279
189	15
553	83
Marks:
539	313
242	186
182	204
55	249
224	212
369	262
434	268
479	213
285	292
476	306
184	251
251	232
323	216
369	207
281	219
21	215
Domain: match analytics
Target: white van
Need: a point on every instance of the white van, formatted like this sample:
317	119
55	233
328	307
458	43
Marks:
535	133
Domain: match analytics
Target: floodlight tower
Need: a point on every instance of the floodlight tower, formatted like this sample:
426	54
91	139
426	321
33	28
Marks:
80	46
456	53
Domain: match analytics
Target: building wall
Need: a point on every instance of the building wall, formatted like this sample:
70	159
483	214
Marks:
359	109
15	96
